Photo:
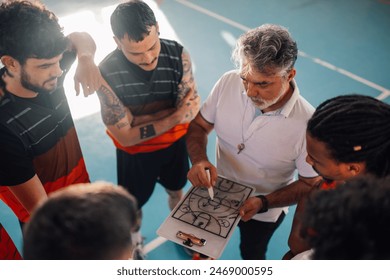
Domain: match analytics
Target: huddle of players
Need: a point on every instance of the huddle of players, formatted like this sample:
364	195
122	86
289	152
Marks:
266	132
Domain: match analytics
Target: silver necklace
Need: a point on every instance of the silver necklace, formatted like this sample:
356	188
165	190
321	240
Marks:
241	146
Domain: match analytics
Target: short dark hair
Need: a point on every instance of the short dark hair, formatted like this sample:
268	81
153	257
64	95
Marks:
87	221
29	30
134	18
355	128
350	222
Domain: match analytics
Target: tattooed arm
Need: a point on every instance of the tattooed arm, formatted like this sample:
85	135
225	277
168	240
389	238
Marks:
120	122
187	84
141	119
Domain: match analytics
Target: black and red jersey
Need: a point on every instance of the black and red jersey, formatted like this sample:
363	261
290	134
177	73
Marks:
38	136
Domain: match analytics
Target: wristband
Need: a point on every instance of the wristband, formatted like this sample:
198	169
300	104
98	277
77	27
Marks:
264	202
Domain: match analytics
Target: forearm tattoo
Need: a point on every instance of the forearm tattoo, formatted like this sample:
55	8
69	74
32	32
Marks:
188	78
147	131
112	109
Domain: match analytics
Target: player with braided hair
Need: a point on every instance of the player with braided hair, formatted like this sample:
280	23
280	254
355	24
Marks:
347	136
355	129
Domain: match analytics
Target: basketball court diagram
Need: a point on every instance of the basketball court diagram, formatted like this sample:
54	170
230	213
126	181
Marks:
217	216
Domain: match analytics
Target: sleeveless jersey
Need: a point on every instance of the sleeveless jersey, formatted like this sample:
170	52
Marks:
147	92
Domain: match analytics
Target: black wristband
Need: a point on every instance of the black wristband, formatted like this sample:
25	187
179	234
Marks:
264	202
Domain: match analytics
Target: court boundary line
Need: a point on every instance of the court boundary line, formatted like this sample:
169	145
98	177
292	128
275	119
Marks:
384	92
157	242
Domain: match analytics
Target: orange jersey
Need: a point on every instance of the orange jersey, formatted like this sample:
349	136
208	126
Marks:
157	143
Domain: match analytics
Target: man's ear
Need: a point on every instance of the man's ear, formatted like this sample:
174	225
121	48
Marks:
118	42
10	63
291	74
356	168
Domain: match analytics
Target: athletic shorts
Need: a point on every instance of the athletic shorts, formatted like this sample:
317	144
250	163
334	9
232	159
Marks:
140	172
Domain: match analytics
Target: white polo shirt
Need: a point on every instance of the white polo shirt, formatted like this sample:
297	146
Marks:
275	142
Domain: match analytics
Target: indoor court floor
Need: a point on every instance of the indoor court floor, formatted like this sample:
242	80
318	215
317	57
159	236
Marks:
344	48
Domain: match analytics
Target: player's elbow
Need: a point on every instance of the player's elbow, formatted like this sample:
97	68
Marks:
122	139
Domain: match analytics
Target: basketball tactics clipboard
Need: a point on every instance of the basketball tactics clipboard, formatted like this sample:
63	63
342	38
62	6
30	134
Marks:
206	225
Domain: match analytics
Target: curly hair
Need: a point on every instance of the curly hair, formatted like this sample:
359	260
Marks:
29	30
351	221
355	128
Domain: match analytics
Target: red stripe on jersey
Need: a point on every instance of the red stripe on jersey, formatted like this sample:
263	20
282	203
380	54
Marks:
77	175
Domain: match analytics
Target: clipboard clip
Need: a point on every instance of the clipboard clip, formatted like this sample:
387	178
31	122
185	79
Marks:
190	239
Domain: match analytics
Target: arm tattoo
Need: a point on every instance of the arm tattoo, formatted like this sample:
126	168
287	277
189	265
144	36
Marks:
187	81
183	89
147	131
112	109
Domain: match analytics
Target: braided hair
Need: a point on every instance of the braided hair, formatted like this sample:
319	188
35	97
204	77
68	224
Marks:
355	128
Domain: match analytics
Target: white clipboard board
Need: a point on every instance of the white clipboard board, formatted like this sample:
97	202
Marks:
206	225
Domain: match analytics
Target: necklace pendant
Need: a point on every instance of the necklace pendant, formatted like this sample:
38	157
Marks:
240	147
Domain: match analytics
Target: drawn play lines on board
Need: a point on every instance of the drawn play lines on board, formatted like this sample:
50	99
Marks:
215	216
